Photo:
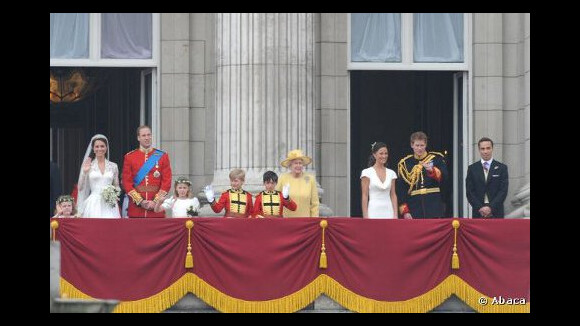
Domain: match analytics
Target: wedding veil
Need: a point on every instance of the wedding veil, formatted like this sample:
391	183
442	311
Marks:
84	189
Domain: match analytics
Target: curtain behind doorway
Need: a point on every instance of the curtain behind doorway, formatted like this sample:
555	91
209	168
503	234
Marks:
114	110
388	106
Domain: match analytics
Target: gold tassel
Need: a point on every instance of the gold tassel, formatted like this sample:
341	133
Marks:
54	226
189	256
455	261
455	257
189	260
323	261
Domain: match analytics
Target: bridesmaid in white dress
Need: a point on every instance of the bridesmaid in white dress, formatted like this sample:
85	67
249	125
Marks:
181	200
97	172
379	199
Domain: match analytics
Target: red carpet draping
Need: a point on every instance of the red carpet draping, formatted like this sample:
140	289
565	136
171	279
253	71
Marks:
263	265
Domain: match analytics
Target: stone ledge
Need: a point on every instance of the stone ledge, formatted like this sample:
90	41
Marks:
59	305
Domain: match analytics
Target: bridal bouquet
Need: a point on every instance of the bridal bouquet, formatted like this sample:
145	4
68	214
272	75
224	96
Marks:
111	194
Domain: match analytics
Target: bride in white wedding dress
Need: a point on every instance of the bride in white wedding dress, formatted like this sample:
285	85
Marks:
96	173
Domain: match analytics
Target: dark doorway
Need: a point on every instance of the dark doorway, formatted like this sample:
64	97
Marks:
113	110
388	106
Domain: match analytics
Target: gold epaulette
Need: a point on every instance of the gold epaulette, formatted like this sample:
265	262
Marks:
130	152
440	154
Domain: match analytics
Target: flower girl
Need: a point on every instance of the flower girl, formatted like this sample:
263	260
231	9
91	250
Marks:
180	203
65	207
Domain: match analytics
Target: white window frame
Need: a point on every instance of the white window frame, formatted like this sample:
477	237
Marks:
407	50
154	123
95	59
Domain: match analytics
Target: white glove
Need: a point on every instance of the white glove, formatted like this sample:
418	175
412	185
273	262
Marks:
172	200
286	191
208	190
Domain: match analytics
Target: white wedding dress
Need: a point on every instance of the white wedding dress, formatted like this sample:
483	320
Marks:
94	205
380	205
180	207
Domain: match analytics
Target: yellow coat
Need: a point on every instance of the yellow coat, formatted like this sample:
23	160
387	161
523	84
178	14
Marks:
304	192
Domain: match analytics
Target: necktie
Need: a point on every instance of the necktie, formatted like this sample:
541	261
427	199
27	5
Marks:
485	167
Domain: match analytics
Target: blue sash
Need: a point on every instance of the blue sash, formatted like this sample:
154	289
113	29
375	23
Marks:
146	167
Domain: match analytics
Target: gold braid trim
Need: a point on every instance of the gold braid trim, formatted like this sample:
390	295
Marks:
402	167
159	194
412	178
137	199
189	282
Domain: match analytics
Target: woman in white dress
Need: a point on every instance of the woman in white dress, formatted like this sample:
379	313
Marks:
180	202
379	199
97	172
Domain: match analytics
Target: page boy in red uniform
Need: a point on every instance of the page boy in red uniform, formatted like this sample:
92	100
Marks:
236	201
270	202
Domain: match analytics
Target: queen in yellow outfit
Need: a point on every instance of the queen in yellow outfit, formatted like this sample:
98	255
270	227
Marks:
303	188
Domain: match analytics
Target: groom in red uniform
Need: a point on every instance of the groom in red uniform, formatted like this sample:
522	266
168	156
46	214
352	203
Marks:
146	176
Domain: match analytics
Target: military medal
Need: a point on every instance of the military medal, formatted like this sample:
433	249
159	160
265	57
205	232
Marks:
156	173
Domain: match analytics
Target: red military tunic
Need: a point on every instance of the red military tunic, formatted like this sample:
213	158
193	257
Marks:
238	203
272	204
155	184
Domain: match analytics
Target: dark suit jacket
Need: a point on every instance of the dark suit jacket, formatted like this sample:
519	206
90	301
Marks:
55	186
496	187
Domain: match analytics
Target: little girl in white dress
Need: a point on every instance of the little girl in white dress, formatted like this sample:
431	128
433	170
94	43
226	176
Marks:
180	203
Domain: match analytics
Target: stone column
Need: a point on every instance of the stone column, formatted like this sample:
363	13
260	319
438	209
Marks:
265	93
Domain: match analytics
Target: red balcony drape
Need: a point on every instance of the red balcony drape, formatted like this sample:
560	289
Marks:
272	265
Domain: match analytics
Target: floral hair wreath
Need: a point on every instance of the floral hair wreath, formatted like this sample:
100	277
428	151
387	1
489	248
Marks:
65	198
183	180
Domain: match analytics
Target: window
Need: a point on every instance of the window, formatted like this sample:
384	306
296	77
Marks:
438	37
408	41
126	36
376	37
69	36
104	39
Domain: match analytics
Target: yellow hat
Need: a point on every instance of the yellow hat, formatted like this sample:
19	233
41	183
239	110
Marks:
294	155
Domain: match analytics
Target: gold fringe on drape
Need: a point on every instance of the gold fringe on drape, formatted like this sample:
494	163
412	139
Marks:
301	298
423	303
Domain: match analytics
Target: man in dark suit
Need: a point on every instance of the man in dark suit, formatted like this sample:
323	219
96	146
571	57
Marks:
55	186
487	183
